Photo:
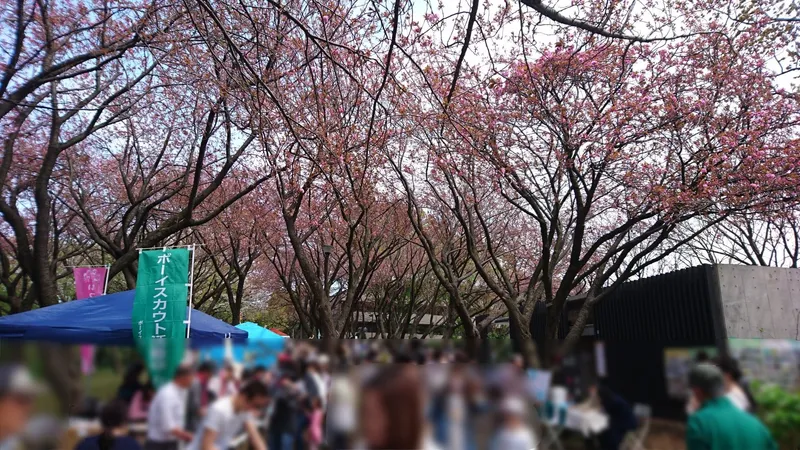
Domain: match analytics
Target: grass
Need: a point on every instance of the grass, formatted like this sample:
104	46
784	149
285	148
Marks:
101	385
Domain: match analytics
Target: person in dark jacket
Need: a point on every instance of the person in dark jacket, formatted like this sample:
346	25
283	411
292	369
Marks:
621	418
283	422
114	436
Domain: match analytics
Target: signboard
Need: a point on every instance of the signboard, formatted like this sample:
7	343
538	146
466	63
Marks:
159	310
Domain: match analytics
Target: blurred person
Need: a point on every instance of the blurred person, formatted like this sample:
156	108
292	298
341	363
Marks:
718	424
417	351
391	415
223	383
452	412
131	383
229	415
315	421
18	392
342	411
514	433
735	389
283	421
140	404
691	402
315	384
310	385
200	396
259	373
518	362
325	371
114	435
268	377
621	418
42	433
343	354
166	419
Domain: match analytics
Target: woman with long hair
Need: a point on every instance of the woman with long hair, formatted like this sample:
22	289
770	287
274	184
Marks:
131	383
392	410
114	435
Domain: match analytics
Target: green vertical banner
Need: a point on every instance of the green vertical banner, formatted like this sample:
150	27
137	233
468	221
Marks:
159	310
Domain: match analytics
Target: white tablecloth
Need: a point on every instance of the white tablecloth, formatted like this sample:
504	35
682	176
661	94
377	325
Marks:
587	421
84	427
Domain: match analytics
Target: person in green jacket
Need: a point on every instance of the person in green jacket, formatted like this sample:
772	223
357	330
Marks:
718	424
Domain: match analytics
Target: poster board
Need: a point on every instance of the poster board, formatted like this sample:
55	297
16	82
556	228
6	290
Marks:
774	361
677	363
539	384
600	359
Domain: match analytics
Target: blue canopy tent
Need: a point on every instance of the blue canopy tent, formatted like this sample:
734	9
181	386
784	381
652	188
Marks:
104	320
261	348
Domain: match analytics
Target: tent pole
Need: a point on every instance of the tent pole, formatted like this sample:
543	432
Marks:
105	285
193	249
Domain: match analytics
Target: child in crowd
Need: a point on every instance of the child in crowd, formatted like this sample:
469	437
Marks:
315	419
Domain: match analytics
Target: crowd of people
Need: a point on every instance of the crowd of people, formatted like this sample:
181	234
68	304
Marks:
369	395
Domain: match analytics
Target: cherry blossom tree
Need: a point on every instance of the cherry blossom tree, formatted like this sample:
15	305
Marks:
750	238
308	67
598	150
72	70
165	173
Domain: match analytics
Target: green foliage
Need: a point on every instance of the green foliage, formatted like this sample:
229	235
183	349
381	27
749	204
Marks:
275	315
779	409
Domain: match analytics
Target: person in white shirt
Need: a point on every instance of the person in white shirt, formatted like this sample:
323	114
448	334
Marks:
223	384
229	416
735	388
514	433
166	418
342	421
315	385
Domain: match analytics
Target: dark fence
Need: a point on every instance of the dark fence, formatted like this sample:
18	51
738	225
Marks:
642	318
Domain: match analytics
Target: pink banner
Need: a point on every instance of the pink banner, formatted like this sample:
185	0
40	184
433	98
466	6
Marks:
87	359
89	282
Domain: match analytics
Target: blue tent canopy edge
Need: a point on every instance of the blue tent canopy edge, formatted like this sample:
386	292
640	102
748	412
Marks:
104	320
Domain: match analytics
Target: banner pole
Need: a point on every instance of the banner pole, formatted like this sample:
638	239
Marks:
79	267
193	249
105	284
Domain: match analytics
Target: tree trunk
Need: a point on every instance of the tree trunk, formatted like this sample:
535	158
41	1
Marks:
63	371
527	347
130	278
519	327
236	311
576	331
45	288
